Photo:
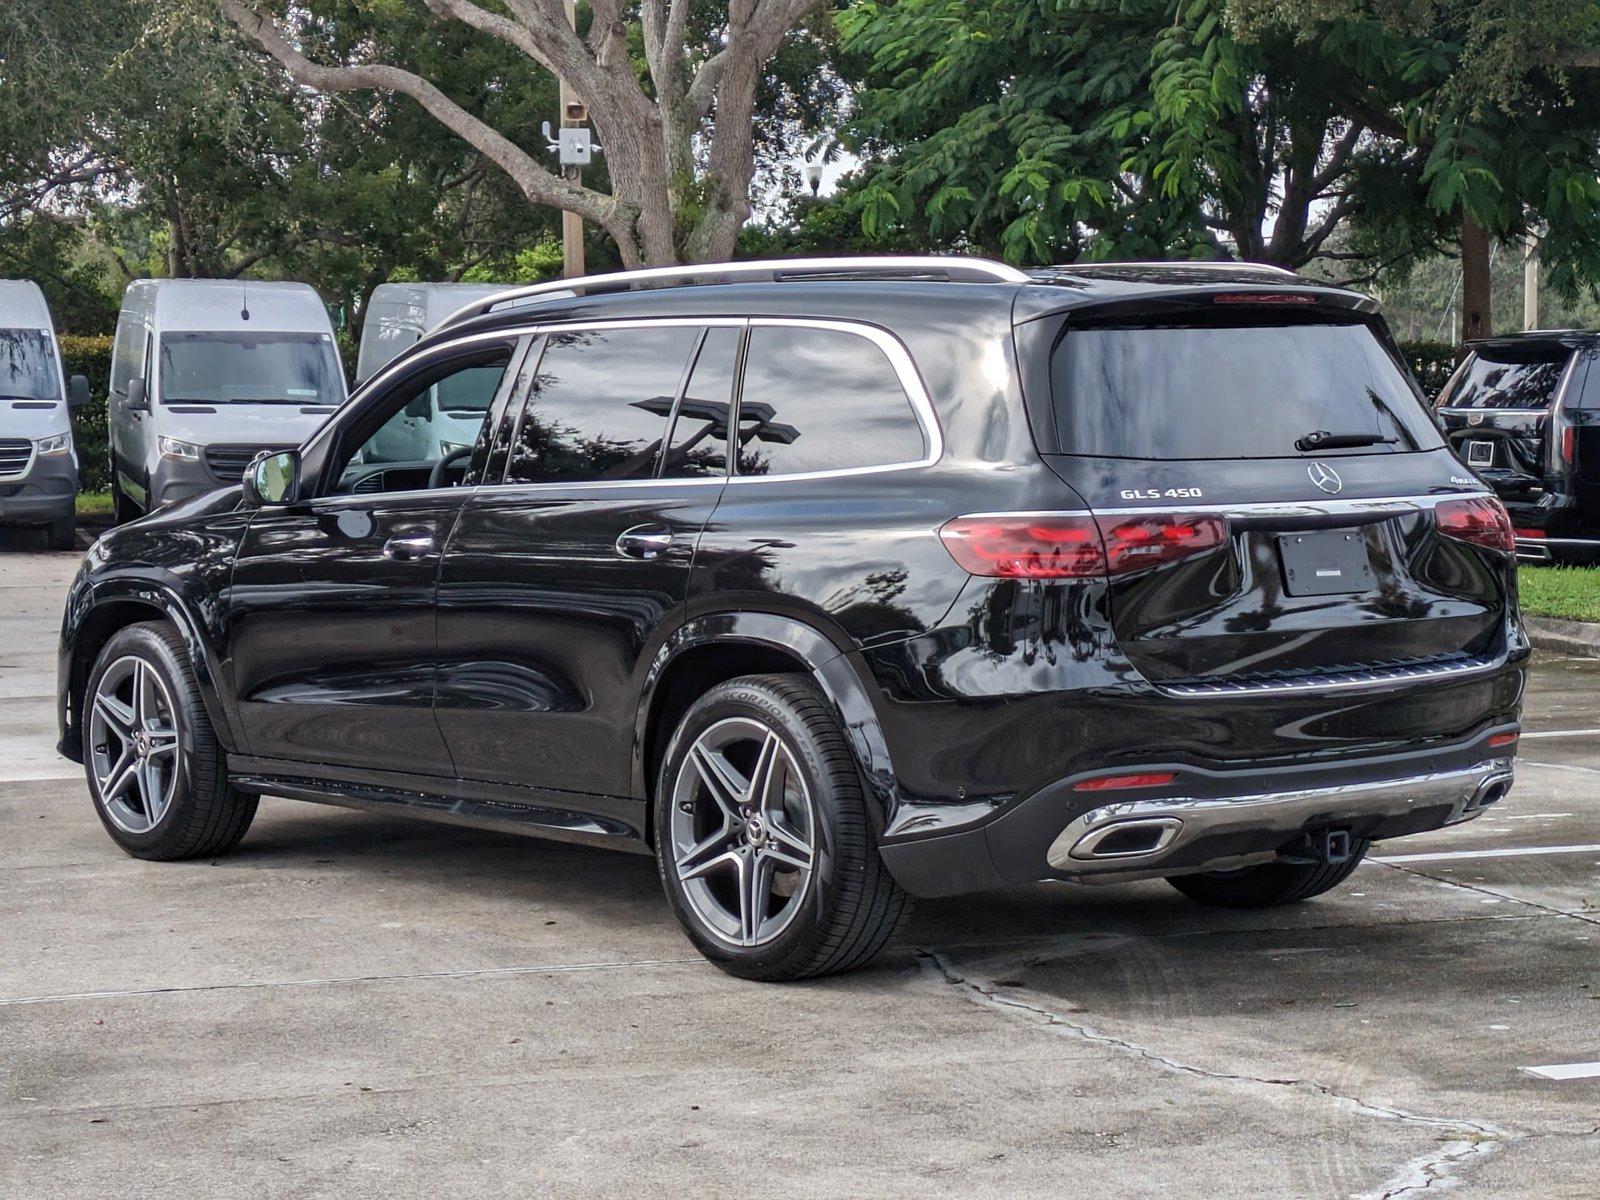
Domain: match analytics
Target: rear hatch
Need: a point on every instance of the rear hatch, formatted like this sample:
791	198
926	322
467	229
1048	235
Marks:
1276	503
1499	411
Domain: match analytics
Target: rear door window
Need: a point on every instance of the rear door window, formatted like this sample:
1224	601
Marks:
822	400
1523	378
698	445
598	403
1230	392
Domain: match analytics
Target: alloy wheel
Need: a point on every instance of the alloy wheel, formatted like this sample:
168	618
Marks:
742	833
133	744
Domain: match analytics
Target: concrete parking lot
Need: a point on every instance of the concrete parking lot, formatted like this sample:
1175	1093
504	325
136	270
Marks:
359	1006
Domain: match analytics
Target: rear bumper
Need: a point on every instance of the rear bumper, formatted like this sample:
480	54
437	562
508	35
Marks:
1206	820
1546	549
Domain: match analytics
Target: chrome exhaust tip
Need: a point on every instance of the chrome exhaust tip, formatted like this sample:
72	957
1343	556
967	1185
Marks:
1127	839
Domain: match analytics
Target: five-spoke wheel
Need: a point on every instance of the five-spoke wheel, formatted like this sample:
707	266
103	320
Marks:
133	744
742	831
766	846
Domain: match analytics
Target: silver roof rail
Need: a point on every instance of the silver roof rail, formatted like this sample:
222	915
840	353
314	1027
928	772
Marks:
775	270
1201	264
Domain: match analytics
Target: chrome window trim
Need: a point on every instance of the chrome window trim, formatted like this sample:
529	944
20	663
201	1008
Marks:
1398	506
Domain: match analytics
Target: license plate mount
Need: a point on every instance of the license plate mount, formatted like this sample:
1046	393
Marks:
1330	562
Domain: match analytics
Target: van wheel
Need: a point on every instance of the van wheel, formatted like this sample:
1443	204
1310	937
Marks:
156	772
1270	884
123	510
62	534
763	838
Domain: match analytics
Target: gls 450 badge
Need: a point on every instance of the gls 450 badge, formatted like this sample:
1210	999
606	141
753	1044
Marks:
1161	494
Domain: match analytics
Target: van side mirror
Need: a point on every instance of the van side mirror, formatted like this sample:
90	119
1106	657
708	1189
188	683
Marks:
420	408
273	479
138	399
78	391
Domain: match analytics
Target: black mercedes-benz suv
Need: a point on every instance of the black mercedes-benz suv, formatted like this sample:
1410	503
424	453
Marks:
832	582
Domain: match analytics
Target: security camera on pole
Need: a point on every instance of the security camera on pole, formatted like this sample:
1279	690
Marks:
574	147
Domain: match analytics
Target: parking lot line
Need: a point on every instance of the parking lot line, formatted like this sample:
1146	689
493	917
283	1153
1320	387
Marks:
1508	852
1555	733
1588	1070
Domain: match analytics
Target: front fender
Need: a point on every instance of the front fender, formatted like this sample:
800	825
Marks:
89	616
841	675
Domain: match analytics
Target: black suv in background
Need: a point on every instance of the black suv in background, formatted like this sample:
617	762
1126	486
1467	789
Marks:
1523	412
830	582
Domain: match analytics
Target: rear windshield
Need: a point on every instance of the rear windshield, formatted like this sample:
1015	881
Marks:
1501	379
27	366
1231	392
249	368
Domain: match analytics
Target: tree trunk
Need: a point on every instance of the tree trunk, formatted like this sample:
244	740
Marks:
1477	319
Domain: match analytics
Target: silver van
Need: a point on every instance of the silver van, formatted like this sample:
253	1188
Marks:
208	373
38	462
449	415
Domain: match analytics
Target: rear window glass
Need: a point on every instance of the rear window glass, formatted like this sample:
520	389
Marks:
1231	392
1493	379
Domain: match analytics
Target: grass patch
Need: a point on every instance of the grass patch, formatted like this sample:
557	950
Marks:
94	504
1572	593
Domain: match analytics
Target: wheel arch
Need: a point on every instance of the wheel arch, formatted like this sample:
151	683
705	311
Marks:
710	650
115	605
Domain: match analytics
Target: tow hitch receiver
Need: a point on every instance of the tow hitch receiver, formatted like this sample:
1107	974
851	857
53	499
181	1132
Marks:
1322	846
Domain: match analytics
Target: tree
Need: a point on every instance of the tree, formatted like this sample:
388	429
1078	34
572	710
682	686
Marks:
1502	100
1044	130
666	202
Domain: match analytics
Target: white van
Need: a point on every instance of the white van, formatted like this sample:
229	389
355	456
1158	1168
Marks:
397	316
206	374
38	462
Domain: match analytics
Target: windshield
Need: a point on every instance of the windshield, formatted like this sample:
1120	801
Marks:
1497	379
1232	392
249	368
28	366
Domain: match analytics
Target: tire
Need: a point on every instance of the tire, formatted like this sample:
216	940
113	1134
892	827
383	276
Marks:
123	509
799	921
196	813
1270	884
62	534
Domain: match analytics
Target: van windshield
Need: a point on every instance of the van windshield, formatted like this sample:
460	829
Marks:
27	366
249	368
1172	392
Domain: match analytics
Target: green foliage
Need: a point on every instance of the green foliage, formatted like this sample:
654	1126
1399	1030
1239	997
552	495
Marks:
90	356
1570	593
1431	362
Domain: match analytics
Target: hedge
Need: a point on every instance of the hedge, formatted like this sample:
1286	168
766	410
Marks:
90	356
1432	363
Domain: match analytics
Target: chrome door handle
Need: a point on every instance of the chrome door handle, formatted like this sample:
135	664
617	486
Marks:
408	549
644	541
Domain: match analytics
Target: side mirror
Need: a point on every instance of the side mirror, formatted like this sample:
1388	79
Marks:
273	479
78	391
420	408
138	399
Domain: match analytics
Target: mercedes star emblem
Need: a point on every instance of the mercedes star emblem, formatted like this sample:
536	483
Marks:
1325	477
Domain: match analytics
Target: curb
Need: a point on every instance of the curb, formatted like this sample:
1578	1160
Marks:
1580	638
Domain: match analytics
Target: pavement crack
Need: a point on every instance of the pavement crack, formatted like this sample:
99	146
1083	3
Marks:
1547	909
1468	1139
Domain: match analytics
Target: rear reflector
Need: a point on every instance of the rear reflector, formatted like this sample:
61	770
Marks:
1531	534
1112	783
1481	520
1503	739
1076	545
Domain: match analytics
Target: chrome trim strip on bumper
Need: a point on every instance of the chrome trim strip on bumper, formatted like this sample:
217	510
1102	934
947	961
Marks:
1465	792
1334	680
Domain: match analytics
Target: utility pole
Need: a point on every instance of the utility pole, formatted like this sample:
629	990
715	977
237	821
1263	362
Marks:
1530	282
573	113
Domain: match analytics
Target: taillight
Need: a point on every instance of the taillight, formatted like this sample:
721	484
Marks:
1077	546
1019	546
1135	543
1481	520
1569	445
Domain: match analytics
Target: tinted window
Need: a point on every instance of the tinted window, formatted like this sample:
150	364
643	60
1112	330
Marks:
598	404
249	368
1230	392
1496	379
699	442
27	366
821	400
